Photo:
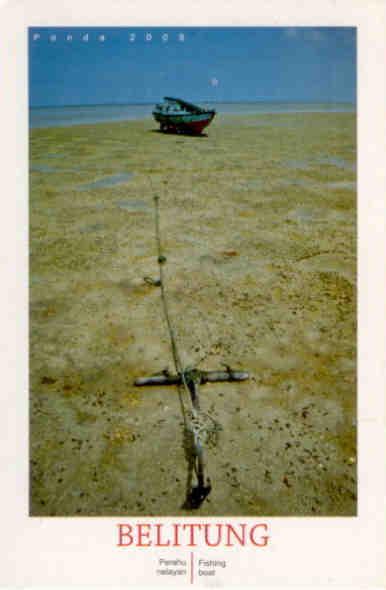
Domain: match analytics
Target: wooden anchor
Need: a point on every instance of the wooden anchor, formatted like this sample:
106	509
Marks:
196	376
193	378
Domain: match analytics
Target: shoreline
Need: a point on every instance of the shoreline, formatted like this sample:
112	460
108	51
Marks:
218	114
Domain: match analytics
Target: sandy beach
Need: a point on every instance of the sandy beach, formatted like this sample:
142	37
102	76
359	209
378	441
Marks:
258	221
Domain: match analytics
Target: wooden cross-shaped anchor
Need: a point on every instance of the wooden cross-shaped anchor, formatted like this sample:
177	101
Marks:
195	376
192	379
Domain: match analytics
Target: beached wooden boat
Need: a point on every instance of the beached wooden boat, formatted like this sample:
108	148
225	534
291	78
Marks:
178	116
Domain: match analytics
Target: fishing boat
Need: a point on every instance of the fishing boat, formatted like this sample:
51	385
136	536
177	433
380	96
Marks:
178	116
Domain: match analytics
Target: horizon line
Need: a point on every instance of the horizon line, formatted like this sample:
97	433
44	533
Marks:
49	106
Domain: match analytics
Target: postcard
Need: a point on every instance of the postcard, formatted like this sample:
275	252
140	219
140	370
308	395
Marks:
194	359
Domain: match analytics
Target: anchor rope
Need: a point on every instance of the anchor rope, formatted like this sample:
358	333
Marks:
196	425
194	420
161	260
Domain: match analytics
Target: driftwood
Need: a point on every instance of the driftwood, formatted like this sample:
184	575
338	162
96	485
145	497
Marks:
201	377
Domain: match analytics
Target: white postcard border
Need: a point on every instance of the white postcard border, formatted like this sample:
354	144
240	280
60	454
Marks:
82	551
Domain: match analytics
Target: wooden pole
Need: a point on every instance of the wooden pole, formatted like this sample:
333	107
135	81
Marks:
205	377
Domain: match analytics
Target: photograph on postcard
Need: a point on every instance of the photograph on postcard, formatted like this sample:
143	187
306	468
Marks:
192	271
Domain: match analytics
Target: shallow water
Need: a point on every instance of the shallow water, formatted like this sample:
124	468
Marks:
338	162
43	168
107	181
132	205
345	185
307	184
252	184
64	116
55	156
297	164
94	227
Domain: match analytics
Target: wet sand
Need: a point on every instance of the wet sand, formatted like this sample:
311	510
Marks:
258	221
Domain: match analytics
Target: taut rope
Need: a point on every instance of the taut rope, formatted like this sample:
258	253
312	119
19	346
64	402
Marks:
198	424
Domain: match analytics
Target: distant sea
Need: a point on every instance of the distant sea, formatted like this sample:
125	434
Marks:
65	116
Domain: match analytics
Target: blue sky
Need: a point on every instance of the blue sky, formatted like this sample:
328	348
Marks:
210	64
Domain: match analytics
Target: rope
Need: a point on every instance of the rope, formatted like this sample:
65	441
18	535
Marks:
161	262
200	427
197	427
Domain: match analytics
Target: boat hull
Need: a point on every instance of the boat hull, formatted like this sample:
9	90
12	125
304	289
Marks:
192	124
